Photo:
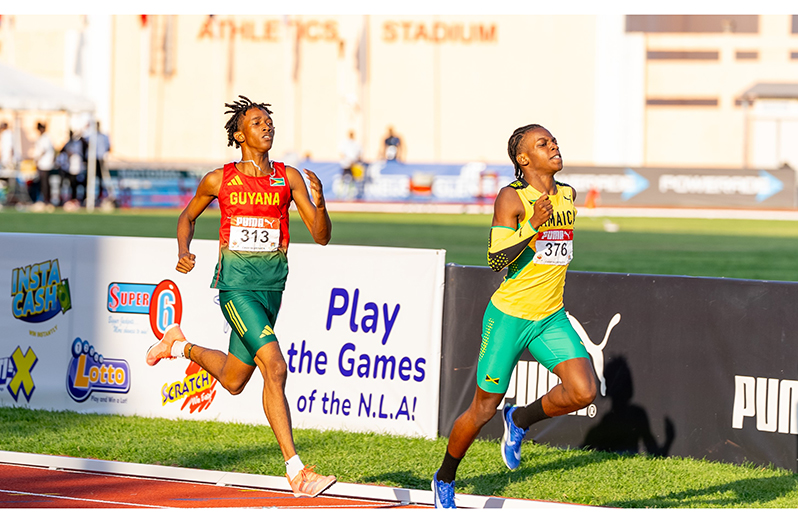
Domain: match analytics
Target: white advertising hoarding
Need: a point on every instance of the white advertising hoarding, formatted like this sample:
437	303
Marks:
359	327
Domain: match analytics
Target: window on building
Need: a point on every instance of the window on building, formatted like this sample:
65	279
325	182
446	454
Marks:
747	55
683	55
695	23
684	102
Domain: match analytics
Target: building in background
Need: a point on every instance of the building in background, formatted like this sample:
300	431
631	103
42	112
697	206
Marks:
617	90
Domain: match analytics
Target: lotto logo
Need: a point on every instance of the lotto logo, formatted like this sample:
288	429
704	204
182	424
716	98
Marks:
89	372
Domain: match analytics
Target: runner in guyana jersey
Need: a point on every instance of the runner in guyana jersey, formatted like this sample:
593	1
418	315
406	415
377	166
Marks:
533	237
254	195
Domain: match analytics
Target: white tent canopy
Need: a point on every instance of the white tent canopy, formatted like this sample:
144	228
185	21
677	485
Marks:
20	91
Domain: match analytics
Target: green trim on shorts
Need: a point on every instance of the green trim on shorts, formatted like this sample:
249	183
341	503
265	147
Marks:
551	341
251	315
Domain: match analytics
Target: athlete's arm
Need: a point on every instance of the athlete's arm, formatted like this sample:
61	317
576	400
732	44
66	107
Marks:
207	190
508	238
313	212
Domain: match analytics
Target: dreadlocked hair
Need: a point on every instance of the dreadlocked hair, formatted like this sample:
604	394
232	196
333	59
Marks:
239	108
512	145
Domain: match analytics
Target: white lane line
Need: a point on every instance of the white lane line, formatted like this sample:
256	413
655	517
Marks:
18	492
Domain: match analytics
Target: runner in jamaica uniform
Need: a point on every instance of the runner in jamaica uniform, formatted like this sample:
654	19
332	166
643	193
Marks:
531	235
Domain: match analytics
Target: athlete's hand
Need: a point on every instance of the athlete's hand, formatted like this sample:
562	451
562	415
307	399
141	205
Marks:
186	262
316	190
543	210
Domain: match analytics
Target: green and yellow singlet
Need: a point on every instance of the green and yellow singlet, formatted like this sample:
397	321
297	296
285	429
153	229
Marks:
533	287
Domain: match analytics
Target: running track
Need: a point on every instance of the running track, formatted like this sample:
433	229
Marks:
39	481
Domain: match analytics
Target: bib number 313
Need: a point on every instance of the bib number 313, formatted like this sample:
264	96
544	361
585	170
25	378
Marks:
554	247
254	234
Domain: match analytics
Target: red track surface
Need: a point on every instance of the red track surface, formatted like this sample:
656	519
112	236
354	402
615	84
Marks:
36	487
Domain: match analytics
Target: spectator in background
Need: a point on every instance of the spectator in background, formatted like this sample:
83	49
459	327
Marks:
102	176
392	147
350	157
44	155
72	166
6	148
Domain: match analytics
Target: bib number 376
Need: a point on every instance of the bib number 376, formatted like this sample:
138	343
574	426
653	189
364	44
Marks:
254	234
554	247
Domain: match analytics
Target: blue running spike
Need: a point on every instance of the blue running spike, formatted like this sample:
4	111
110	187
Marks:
444	493
511	442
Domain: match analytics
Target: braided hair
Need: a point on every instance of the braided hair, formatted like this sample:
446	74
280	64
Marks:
239	108
515	140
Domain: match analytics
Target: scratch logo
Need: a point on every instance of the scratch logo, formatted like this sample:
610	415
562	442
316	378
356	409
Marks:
196	390
15	373
38	293
89	372
162	302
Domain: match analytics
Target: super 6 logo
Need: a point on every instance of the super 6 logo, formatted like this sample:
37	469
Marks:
161	302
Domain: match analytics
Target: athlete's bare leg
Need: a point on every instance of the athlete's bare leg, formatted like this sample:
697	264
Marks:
232	373
467	426
576	390
272	365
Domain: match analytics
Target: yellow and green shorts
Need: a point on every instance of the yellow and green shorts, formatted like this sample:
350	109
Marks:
550	340
252	315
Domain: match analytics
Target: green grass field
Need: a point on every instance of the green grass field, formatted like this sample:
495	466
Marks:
750	249
716	248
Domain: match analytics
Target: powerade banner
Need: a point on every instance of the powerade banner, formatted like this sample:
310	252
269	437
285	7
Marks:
478	183
362	345
683	187
695	367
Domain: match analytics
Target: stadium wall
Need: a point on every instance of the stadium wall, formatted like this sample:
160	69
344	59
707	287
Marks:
694	367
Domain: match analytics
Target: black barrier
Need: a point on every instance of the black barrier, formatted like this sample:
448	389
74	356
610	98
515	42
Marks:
693	367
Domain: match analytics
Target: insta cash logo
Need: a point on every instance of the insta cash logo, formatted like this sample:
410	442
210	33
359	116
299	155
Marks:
531	380
38	292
